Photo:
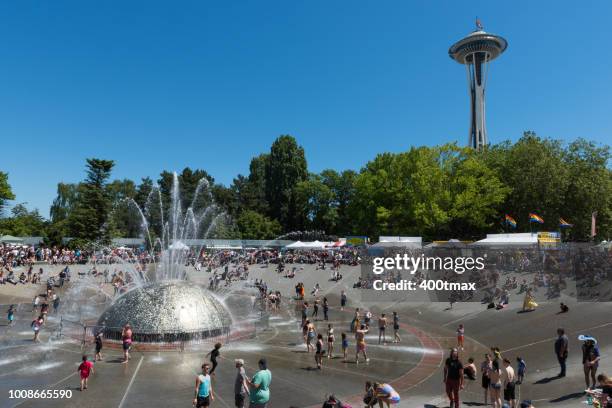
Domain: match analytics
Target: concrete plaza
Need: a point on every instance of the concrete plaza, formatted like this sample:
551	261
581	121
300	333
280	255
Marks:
413	367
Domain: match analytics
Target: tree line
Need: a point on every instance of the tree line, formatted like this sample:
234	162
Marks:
437	192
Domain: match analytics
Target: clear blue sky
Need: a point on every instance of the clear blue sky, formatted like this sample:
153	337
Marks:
164	85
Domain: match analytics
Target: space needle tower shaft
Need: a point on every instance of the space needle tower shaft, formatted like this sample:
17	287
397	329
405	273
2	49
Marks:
476	51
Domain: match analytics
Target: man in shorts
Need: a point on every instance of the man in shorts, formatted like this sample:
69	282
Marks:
361	343
382	327
203	389
509	383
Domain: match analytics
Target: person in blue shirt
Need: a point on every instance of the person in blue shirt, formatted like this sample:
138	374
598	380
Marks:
203	389
521	368
11	315
260	386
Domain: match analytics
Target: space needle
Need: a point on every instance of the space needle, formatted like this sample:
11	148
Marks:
475	52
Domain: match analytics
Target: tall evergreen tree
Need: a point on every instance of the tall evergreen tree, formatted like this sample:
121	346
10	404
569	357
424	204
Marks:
285	169
88	220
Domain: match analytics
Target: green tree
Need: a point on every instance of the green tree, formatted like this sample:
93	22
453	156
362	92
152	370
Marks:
316	201
88	220
589	189
143	191
23	223
285	168
124	220
250	192
535	171
253	225
64	202
189	181
5	191
342	186
477	195
433	192
405	193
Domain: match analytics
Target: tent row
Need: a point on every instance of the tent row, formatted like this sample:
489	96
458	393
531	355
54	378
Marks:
315	245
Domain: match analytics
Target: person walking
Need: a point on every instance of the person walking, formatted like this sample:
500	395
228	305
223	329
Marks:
304	312
460	337
453	378
241	387
590	360
509	383
259	386
325	309
361	343
382	327
203	389
36	326
521	370
315	307
35	302
345	346
98	340
396	327
86	368
310	335
561	350
214	354
485	368
10	315
319	351
56	303
126	341
343	300
330	340
495	375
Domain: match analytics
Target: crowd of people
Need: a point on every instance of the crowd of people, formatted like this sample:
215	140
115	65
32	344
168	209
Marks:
498	375
499	379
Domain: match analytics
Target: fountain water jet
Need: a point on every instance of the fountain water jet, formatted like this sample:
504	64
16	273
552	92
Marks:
170	308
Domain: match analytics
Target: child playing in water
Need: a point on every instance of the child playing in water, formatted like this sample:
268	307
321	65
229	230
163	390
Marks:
460	337
345	346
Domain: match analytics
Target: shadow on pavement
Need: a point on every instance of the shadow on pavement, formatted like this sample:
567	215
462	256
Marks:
547	380
568	397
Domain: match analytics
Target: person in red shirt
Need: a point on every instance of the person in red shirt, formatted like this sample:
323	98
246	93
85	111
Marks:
86	368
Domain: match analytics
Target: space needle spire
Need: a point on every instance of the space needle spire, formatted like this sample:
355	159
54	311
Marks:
476	51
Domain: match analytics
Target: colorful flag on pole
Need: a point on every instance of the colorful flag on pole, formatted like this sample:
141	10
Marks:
564	224
593	224
510	221
536	218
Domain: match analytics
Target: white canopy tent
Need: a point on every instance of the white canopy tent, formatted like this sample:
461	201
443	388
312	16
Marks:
516	239
178	245
295	245
307	245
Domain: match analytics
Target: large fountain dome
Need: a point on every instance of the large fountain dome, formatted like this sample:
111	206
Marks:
166	311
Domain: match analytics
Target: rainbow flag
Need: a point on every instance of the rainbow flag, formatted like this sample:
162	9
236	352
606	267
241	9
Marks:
510	221
564	224
536	218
